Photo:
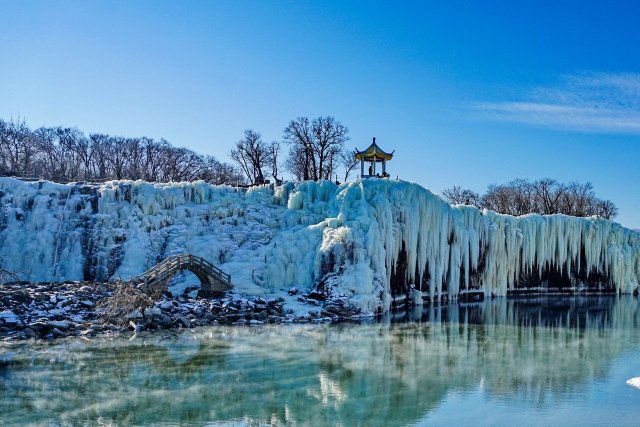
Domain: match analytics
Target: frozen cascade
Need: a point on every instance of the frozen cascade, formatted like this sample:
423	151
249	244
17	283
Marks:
366	241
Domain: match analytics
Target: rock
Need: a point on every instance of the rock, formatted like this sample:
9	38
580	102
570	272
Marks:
293	291
22	296
58	324
135	314
8	317
233	316
58	333
68	307
313	295
29	333
164	320
152	311
183	321
165	305
40	327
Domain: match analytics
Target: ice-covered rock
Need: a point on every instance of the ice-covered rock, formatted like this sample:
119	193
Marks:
634	382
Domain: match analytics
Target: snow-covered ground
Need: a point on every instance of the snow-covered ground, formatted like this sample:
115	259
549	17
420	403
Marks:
364	241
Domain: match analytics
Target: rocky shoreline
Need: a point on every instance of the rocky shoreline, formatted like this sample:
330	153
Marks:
57	310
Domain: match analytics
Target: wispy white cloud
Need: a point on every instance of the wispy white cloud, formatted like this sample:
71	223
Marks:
588	102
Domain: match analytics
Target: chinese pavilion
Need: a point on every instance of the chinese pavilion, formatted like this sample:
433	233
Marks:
374	155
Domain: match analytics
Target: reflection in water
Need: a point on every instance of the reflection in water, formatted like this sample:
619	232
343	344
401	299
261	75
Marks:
384	373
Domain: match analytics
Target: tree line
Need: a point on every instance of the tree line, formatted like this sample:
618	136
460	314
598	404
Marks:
544	196
63	154
315	150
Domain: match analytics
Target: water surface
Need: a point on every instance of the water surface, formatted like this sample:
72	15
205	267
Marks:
548	361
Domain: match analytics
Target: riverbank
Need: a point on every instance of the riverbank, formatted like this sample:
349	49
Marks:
57	310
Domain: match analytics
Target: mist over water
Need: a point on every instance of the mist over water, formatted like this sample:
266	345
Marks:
529	362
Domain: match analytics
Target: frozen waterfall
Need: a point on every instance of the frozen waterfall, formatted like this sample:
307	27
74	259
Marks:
366	241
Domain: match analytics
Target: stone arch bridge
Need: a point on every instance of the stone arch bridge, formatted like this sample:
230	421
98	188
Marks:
213	281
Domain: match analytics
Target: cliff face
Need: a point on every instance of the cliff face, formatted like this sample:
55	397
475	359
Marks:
366	241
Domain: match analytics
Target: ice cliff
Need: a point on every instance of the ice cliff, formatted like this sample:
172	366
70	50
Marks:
367	241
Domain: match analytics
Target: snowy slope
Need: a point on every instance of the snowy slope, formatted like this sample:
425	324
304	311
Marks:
365	241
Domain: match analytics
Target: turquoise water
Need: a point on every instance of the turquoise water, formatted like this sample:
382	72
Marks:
536	362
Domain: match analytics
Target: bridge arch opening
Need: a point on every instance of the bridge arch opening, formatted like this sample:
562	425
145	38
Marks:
184	281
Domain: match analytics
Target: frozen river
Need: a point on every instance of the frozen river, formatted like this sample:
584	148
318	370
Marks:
549	361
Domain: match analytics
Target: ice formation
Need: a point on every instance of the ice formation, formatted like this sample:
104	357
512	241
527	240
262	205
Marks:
367	241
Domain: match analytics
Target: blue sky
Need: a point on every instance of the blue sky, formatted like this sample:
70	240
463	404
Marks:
466	94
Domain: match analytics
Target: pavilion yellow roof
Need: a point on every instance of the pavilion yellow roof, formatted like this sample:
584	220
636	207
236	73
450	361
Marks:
374	153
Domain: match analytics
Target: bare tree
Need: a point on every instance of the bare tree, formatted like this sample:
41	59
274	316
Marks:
329	138
522	196
348	161
605	209
548	194
315	146
221	173
153	158
274	159
17	148
457	195
498	198
578	199
101	149
252	155
52	155
301	161
297	162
